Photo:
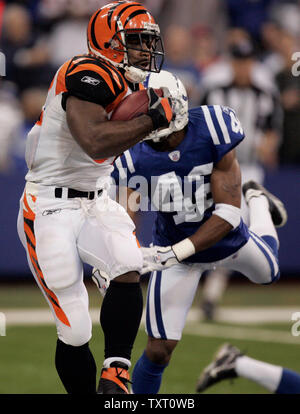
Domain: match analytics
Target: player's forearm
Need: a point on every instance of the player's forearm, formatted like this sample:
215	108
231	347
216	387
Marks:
210	233
112	138
99	137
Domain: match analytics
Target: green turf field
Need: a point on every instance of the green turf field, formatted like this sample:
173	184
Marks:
27	352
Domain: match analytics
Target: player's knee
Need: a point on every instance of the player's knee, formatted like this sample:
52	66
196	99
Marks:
79	330
160	351
75	336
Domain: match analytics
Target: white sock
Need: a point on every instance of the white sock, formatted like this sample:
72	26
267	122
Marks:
260	218
262	373
108	361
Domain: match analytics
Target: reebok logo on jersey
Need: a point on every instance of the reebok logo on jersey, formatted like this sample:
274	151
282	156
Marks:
90	80
174	156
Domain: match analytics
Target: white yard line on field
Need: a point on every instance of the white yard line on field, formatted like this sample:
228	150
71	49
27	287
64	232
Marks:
194	325
247	334
244	315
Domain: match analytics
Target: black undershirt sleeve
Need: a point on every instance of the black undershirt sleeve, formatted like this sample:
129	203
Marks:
88	86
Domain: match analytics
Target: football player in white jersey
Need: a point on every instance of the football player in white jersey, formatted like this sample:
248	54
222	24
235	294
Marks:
194	186
66	217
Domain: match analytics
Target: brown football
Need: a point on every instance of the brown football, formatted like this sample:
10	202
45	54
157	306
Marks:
133	105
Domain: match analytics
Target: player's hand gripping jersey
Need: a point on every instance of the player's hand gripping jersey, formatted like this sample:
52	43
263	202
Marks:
53	156
178	182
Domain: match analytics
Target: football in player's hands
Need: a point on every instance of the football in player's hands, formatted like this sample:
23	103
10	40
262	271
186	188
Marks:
133	105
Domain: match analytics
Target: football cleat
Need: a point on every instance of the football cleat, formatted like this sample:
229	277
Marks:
276	206
114	379
222	367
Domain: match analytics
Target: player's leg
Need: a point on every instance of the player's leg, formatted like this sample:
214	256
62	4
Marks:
258	258
217	280
214	287
54	262
231	363
170	296
265	211
107	242
120	317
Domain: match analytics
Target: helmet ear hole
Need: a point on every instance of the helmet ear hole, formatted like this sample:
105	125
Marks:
106	45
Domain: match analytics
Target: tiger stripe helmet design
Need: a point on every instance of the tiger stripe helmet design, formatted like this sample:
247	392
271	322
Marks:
121	26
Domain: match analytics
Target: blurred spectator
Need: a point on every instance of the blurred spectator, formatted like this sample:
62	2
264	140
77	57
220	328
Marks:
271	35
10	120
189	13
250	15
68	37
26	56
1	15
285	18
205	50
245	85
286	13
155	7
289	86
178	48
55	9
31	102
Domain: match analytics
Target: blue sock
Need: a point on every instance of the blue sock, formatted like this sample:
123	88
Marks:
147	376
289	383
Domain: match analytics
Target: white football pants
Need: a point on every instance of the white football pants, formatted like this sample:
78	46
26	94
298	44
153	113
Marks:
59	235
171	292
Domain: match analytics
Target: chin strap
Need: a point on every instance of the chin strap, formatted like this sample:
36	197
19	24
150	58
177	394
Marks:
135	75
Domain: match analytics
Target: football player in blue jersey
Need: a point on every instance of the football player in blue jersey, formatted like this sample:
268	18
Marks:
191	177
230	362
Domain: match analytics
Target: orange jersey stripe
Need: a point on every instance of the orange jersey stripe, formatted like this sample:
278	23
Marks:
40	120
167	108
61	79
137	241
54	302
29	214
101	161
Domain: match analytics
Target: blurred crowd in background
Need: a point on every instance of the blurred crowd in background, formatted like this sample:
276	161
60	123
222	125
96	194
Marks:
232	52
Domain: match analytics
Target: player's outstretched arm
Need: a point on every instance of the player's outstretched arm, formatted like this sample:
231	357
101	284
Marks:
226	191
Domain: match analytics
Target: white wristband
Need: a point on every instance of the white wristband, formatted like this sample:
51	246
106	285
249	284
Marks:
228	213
184	249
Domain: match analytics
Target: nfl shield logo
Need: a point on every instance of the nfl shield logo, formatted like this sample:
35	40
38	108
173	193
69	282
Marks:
174	156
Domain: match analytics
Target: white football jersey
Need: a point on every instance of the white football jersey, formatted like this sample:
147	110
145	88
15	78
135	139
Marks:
52	154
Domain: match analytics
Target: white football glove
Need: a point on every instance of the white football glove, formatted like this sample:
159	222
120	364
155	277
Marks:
101	279
158	258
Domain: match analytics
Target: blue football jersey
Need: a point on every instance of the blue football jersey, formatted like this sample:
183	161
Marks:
176	184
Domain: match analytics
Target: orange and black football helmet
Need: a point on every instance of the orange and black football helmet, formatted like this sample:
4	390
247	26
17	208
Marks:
121	26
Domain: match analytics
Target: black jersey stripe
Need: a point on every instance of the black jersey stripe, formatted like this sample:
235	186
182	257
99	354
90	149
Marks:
134	14
113	68
109	70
